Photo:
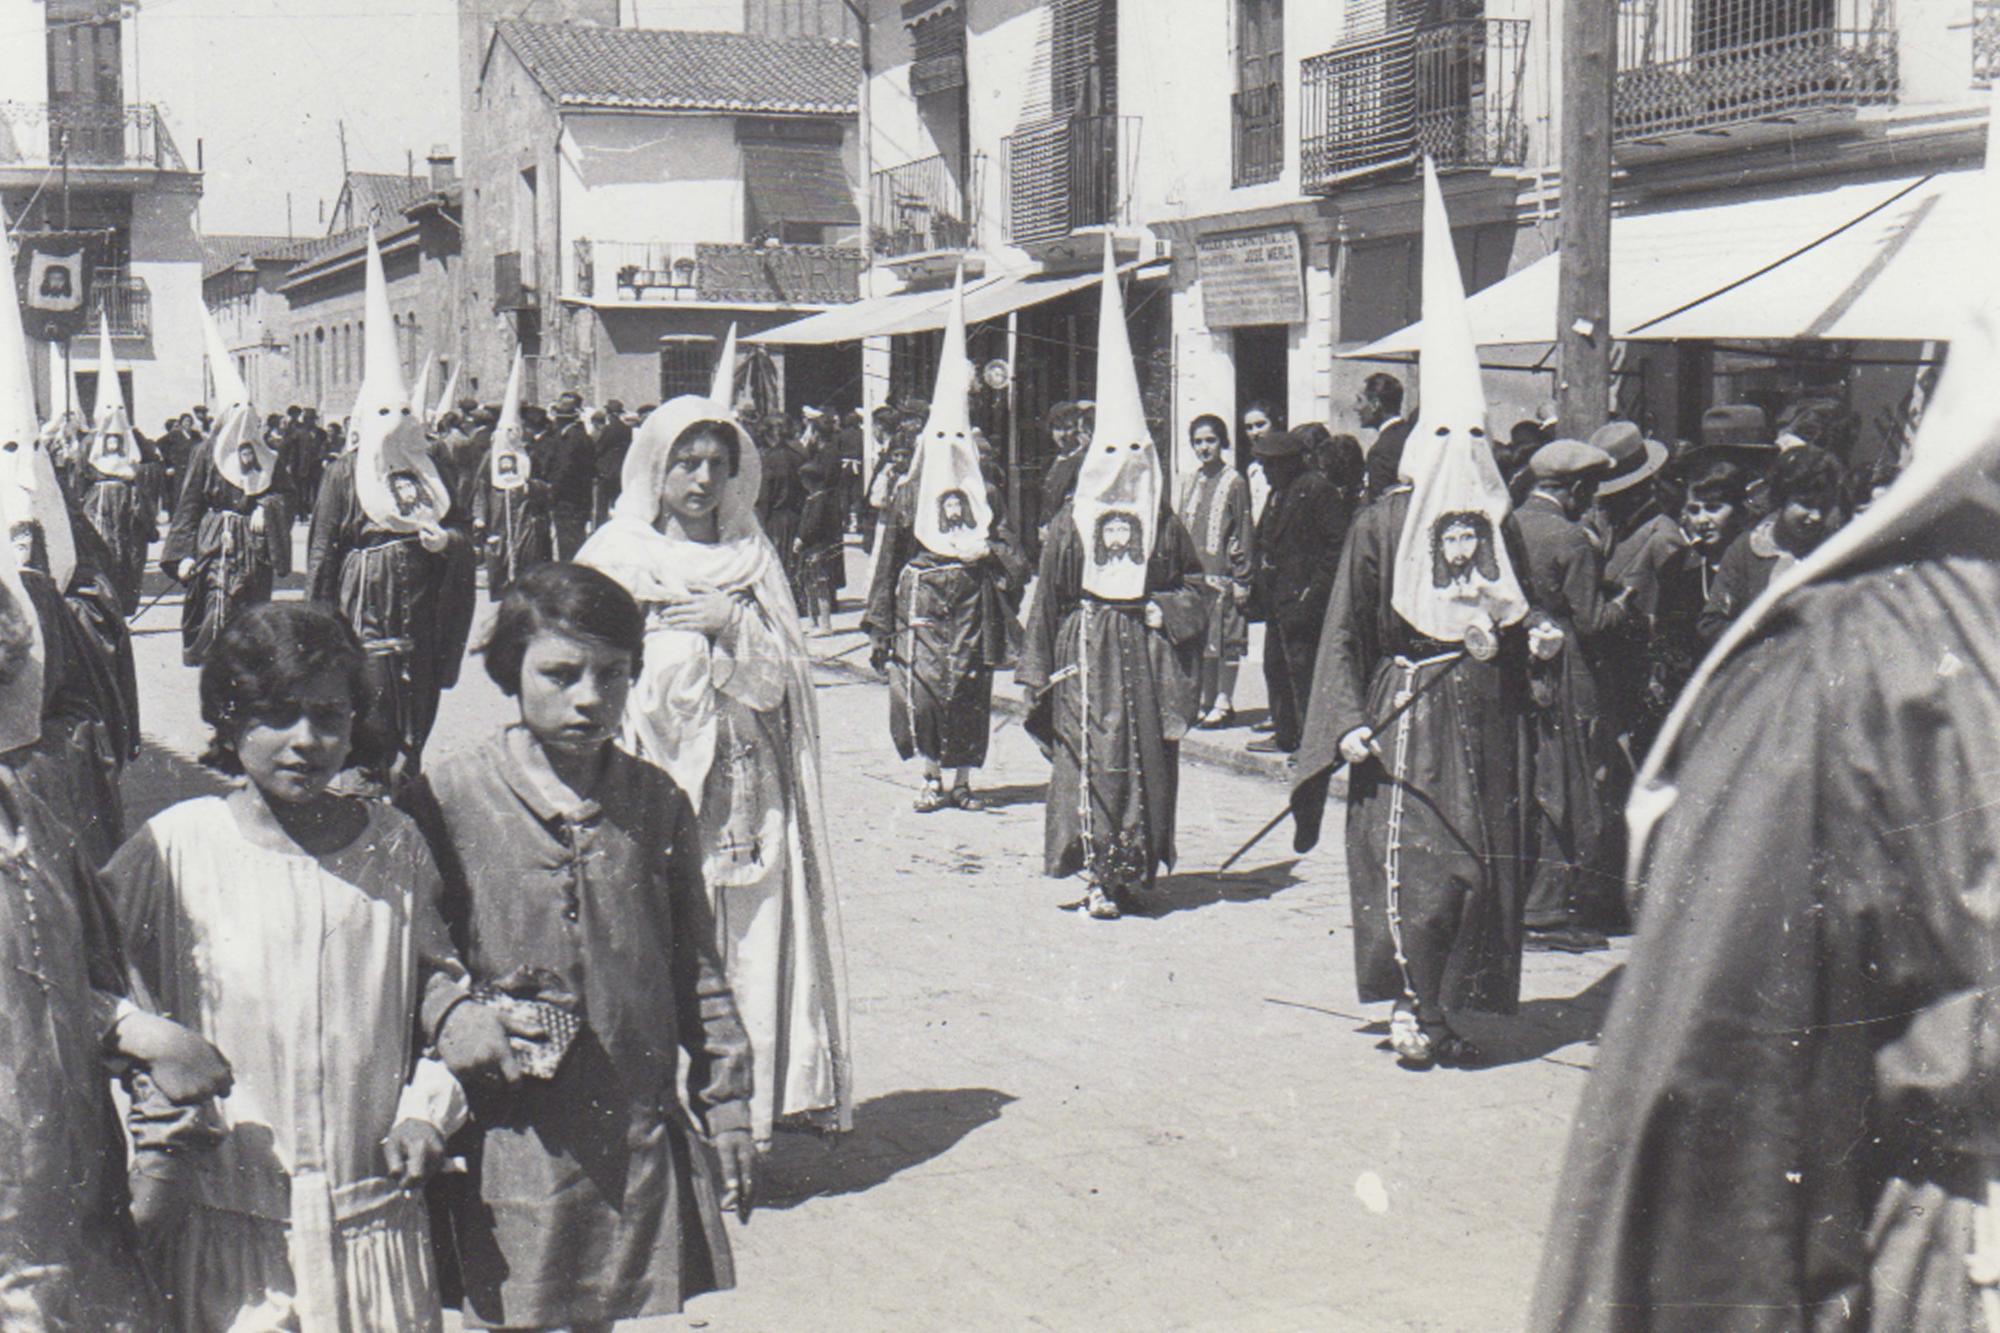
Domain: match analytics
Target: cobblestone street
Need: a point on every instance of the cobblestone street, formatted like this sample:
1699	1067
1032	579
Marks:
1179	1120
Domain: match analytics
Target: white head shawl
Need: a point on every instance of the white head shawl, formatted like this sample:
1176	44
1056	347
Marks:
1117	505
236	423
1457	492
953	510
390	441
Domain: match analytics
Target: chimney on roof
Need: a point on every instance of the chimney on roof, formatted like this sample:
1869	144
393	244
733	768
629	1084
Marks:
444	167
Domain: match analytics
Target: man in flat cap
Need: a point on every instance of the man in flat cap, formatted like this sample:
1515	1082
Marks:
1297	554
1571	737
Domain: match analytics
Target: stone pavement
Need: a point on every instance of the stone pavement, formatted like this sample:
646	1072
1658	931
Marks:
1182	1120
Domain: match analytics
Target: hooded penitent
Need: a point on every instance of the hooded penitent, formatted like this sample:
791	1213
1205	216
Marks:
420	396
507	463
394	478
21	649
237	446
953	510
29	492
448	400
1117	505
1452	571
113	452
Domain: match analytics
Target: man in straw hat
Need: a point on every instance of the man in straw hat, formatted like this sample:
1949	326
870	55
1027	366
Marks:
390	552
1429	608
1112	656
1790	1123
938	605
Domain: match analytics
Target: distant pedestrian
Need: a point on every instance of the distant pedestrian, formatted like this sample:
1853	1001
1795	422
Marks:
610	446
1298	547
1215	510
1806	486
1379	407
571	476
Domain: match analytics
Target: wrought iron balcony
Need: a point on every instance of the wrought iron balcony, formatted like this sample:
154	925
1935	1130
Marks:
668	272
1067	174
1257	117
39	134
1700	65
921	206
124	299
1985	41
1380	103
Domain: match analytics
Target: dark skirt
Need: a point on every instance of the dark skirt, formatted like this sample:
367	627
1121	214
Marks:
1225	629
941	691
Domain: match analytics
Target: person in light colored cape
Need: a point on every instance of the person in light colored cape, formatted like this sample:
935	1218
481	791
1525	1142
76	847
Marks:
724	703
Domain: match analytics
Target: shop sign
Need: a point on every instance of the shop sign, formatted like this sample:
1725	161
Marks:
1251	277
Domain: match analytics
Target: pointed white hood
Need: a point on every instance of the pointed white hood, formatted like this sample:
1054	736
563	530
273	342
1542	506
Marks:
508	465
1452	569
29	492
1117	505
953	509
448	400
420	396
395	479
113	451
236	445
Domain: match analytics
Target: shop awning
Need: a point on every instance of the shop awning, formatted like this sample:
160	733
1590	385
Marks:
1681	260
798	183
1887	277
921	312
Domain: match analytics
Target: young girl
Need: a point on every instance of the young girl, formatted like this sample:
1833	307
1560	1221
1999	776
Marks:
297	930
573	876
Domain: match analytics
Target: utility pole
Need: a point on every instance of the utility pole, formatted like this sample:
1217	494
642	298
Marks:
1583	303
864	130
341	126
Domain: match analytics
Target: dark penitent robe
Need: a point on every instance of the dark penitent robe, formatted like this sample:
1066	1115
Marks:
1792	1109
946	625
1112	723
230	567
120	512
514	529
411	609
1458	844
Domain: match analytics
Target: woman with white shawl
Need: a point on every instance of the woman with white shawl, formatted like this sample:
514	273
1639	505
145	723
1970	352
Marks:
724	703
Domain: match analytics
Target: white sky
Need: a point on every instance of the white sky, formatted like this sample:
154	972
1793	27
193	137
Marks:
263	84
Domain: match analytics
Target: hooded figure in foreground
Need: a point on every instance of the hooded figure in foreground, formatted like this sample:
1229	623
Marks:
724	703
1428	605
390	552
938	605
231	535
1791	1122
1112	652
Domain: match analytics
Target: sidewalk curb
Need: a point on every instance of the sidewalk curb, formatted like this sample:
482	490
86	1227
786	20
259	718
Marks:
1196	748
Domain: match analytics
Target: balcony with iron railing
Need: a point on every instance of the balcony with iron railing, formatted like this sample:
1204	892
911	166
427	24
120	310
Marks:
923	206
1380	103
43	135
122	298
1257	138
1064	175
645	273
1703	65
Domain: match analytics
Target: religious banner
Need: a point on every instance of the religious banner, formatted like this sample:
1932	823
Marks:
55	268
1252	277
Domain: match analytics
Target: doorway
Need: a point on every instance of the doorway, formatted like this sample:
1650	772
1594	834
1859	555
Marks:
1263	356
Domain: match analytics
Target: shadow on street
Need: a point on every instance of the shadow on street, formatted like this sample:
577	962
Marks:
891	1134
1012	794
1192	889
1543	1027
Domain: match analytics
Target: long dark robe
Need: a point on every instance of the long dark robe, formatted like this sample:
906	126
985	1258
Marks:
106	636
821	536
74	767
1571	744
1791	1112
412	610
948	626
516	528
1112	726
1459	873
231	568
68	1254
119	511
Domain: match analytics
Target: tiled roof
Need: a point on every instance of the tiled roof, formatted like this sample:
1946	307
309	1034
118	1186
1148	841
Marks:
657	69
367	191
223	250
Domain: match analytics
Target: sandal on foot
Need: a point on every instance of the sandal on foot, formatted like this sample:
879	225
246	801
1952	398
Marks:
1101	905
1215	719
1413	1046
962	796
932	799
1455	1052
